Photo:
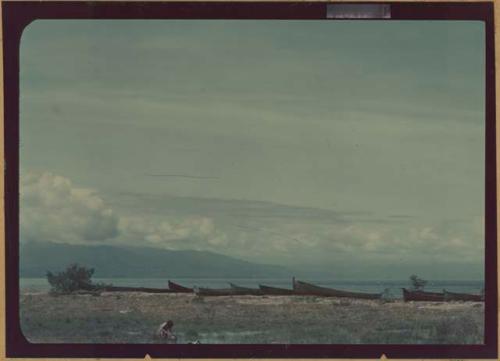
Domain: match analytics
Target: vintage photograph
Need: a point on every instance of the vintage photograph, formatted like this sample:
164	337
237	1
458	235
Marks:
252	182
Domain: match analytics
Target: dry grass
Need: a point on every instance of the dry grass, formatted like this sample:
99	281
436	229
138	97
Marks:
133	318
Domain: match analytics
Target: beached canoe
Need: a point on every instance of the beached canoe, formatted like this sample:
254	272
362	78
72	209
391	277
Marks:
234	290
135	289
275	291
238	290
305	288
201	291
410	295
178	288
454	296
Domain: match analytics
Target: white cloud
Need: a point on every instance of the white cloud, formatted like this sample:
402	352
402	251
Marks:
370	241
195	232
53	209
417	241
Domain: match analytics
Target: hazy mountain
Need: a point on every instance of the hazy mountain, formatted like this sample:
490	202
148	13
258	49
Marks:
141	262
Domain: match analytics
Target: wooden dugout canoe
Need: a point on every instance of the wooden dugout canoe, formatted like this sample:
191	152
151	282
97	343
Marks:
268	290
245	290
135	289
409	295
178	288
454	296
305	288
234	290
201	291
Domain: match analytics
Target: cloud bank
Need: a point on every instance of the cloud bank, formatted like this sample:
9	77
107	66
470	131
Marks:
53	209
56	210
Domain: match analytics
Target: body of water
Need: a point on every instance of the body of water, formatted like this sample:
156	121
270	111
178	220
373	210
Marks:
393	287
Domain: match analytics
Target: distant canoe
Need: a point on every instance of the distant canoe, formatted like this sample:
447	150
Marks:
305	288
135	289
454	296
178	288
234	290
238	290
267	290
200	291
409	295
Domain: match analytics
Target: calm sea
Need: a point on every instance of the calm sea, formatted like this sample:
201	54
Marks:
392	287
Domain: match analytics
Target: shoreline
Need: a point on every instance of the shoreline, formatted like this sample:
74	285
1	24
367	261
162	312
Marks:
132	317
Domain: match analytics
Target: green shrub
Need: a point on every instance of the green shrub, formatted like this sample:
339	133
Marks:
74	278
417	283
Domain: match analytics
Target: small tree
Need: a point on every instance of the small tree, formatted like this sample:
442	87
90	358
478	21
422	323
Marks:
417	283
74	278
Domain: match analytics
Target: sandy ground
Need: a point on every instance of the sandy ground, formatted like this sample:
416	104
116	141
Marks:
134	317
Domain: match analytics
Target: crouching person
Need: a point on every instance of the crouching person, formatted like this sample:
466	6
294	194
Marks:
166	333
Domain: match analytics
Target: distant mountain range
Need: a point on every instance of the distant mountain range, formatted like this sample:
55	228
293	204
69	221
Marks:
139	262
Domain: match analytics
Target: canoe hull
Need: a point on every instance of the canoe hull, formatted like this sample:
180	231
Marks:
309	289
267	290
178	288
422	296
245	291
136	289
232	291
454	296
200	291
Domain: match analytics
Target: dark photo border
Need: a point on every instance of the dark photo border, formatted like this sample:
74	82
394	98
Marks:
17	15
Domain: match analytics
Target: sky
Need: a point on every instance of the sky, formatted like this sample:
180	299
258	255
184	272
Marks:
352	147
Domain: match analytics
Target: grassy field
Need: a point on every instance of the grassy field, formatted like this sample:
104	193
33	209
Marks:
134	317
